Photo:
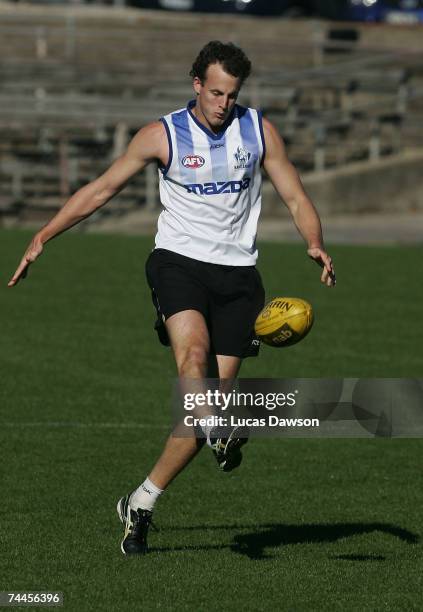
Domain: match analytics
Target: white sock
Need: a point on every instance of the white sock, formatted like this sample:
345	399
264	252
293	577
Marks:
206	429
145	496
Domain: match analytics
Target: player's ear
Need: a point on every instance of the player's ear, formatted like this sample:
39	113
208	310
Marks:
197	84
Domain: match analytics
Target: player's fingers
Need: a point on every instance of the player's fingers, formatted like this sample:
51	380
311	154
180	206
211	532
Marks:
21	272
324	277
321	258
327	261
22	269
33	251
18	274
331	280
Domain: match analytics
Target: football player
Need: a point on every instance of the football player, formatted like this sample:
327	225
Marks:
205	287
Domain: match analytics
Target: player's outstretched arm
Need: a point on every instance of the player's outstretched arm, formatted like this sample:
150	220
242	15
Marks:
148	144
288	184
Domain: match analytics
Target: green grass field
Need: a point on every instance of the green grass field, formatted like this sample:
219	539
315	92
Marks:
303	525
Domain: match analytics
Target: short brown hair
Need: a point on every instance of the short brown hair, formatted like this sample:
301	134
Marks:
232	58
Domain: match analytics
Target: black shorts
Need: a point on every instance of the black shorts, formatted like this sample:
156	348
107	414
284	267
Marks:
229	297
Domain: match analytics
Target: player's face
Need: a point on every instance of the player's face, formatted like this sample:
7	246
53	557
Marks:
216	96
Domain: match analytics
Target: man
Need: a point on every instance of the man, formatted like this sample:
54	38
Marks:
202	273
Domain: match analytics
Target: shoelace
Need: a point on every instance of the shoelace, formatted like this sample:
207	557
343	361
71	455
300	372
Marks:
139	522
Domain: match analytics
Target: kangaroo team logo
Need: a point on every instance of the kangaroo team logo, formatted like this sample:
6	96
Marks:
193	161
242	157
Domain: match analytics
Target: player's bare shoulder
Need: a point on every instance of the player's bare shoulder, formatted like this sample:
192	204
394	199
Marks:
268	126
150	143
272	135
275	147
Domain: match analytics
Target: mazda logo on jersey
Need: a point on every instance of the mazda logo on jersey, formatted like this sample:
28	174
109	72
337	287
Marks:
193	161
219	187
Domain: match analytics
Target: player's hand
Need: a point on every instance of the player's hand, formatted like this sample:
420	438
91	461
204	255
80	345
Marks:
328	277
33	251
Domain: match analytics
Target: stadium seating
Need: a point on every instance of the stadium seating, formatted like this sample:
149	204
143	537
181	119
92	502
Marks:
75	87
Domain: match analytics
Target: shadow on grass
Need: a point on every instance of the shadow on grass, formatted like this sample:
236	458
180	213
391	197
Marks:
358	557
255	544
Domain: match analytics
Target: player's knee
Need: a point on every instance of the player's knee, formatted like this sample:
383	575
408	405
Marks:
193	361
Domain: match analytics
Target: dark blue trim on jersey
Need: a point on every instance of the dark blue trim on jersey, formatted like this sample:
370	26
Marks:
210	134
165	169
263	142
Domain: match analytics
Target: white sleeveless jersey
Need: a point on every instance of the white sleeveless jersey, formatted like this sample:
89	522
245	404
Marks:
211	187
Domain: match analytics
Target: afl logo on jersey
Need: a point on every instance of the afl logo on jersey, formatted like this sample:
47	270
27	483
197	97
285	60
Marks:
193	161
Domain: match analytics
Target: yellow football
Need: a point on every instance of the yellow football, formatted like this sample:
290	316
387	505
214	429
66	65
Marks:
284	321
